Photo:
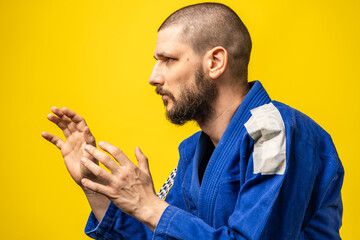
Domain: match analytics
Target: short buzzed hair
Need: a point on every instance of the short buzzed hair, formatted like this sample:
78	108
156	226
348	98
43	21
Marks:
207	25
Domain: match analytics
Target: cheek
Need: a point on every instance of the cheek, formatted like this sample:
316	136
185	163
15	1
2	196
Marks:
180	77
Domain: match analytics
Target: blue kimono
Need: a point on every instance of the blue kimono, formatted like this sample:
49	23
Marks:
275	174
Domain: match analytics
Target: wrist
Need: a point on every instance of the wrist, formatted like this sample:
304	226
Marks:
88	192
151	213
98	203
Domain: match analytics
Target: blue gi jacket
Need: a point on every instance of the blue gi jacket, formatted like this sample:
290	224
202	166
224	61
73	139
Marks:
274	174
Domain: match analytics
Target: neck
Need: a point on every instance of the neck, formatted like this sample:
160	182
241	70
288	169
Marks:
224	108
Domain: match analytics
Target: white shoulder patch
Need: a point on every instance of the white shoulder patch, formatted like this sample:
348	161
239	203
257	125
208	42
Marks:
266	127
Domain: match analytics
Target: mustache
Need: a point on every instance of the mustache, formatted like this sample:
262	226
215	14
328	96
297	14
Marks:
160	91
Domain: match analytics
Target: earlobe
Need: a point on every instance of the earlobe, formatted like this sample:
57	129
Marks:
217	59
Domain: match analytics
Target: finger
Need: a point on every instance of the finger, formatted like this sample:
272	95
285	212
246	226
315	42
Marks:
102	157
76	118
57	111
60	124
89	138
53	139
70	124
143	162
96	187
119	155
98	171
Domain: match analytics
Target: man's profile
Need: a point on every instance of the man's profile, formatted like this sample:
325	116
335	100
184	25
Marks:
258	169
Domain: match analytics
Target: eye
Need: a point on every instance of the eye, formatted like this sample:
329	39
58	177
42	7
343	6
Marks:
168	59
165	59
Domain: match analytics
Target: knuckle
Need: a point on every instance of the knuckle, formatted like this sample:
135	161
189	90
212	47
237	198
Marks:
112	193
137	171
106	160
90	149
124	177
98	172
132	168
84	183
116	184
58	145
96	188
117	152
53	139
61	125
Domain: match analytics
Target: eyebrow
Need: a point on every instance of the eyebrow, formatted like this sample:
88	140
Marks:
163	55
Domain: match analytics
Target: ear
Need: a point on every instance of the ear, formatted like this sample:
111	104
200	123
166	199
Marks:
216	60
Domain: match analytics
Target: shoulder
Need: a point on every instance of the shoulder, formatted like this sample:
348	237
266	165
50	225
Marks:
300	125
278	129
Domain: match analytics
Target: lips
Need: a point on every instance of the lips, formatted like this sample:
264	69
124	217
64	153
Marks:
161	92
165	95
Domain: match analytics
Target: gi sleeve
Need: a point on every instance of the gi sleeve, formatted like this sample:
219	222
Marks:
325	223
116	225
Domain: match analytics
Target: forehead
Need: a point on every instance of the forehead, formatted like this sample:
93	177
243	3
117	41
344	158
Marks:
170	41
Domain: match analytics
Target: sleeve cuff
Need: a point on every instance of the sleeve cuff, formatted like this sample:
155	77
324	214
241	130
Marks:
96	230
161	229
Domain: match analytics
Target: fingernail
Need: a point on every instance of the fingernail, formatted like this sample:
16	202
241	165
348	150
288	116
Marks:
83	160
87	147
101	143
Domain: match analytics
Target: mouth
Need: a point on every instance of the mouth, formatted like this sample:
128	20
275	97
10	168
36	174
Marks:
162	93
165	96
165	99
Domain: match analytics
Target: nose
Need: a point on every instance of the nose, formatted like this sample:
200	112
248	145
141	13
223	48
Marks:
156	78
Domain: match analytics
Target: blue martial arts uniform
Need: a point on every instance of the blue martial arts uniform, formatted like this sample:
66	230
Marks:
275	174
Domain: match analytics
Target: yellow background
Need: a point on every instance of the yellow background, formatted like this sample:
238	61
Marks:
95	57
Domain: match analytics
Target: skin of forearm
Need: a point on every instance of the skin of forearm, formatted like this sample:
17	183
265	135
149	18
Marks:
98	203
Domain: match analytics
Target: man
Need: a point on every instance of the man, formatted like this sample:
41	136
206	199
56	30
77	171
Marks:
257	170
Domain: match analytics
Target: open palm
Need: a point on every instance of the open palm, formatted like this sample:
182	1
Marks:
77	135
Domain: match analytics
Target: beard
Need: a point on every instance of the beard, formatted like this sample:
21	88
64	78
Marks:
194	103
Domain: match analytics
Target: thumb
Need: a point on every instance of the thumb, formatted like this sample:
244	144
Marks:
143	162
89	138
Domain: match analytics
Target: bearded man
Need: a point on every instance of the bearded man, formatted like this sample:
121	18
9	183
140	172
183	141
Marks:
258	169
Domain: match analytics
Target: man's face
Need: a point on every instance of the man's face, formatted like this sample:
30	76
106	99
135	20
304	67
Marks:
179	77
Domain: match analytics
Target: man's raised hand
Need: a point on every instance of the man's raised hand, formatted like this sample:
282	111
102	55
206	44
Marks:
77	135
